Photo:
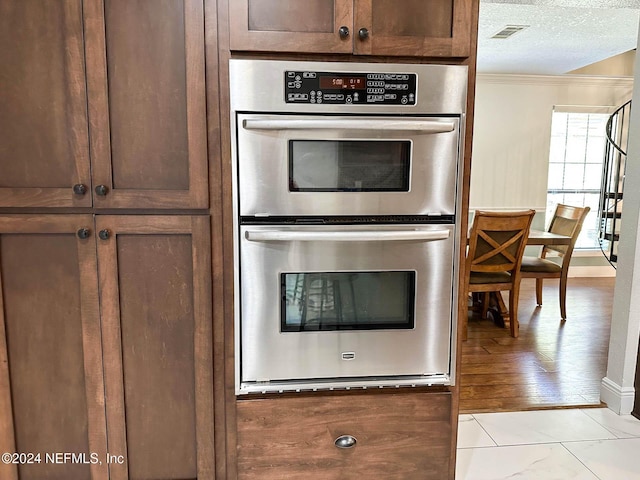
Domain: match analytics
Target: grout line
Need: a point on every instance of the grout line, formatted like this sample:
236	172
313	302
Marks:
485	430
484	446
588	419
558	442
478	448
602	425
581	462
630	435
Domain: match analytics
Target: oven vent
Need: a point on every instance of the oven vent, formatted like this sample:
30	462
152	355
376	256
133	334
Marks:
509	31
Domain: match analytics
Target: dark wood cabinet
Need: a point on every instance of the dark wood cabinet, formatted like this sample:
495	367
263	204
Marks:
44	143
103	104
105	321
147	106
291	25
423	28
404	434
399	436
106	346
155	298
51	382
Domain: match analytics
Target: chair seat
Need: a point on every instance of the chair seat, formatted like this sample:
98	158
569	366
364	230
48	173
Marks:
489	277
539	265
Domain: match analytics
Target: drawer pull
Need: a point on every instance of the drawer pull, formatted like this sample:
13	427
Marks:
345	441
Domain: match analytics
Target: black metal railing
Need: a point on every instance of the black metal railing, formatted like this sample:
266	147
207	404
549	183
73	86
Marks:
612	186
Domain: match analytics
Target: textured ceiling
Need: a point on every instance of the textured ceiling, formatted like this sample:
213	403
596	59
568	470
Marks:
563	35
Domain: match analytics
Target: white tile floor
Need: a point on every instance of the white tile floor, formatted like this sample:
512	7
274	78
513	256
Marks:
574	444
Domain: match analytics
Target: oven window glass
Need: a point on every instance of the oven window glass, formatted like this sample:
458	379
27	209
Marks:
347	301
349	166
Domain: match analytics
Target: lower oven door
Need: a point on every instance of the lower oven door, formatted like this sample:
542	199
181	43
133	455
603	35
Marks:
326	305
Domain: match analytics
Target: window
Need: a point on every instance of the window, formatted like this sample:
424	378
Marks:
347	300
575	166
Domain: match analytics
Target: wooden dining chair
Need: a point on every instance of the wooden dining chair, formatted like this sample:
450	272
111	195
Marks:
496	246
567	220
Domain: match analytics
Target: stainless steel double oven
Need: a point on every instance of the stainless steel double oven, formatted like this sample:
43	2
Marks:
346	223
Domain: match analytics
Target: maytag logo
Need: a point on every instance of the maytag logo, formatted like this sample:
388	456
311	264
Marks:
348	355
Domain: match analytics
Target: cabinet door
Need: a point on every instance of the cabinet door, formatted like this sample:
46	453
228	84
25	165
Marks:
44	148
145	78
291	25
430	28
155	300
51	382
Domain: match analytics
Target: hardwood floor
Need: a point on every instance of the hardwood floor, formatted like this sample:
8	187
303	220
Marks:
552	364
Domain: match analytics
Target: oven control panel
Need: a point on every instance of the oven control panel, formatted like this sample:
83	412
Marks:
350	88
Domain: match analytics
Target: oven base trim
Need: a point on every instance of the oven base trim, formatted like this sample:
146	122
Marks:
347	384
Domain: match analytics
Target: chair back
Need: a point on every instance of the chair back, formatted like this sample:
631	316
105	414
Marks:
567	220
497	241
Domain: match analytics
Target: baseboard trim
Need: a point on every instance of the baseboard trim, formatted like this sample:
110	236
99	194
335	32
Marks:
619	399
588	271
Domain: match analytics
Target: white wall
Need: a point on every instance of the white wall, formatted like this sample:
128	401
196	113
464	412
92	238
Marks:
618	65
512	131
618	389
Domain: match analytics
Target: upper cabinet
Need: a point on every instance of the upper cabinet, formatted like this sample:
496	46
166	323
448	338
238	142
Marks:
291	25
103	104
425	28
44	145
147	112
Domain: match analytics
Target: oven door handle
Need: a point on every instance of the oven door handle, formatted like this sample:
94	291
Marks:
422	126
346	236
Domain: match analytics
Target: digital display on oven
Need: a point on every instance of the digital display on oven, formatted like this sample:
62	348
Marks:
342	83
344	88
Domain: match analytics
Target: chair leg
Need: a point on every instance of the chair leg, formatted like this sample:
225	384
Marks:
513	311
485	304
465	318
539	291
563	296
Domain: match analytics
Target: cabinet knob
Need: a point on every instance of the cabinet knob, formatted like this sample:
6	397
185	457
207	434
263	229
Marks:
344	31
79	189
345	441
84	233
104	234
102	190
363	33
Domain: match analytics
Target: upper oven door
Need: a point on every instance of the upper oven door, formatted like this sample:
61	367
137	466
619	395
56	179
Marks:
346	165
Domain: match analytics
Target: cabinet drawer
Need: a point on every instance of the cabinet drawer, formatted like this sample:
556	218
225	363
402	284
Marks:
398	436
